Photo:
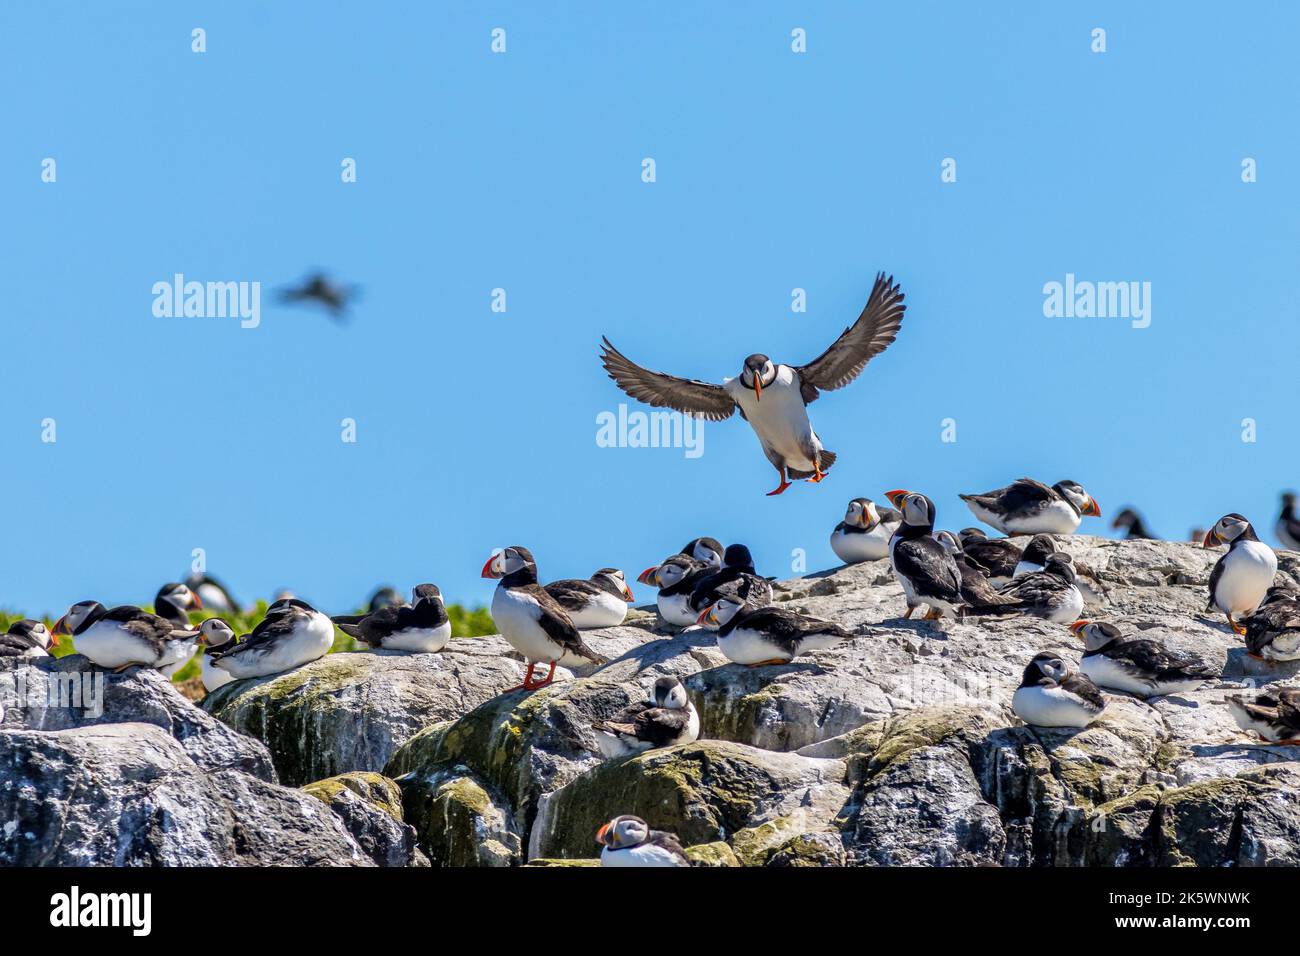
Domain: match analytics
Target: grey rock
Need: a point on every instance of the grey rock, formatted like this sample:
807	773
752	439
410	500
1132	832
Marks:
370	806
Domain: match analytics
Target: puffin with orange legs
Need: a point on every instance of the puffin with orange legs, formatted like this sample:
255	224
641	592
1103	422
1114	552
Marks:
530	618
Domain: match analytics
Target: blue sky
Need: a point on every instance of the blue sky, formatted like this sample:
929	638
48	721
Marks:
522	171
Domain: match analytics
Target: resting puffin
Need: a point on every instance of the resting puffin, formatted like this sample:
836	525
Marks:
781	419
1288	524
1137	665
126	636
293	633
864	533
1132	524
977	590
599	601
1043	546
27	638
629	841
669	718
529	617
1030	507
215	633
421	626
1273	631
1274	715
707	550
1241	577
756	636
1050	695
928	573
676	578
1052	593
999	555
737	565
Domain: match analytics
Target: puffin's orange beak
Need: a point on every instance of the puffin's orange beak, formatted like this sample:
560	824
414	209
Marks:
488	571
600	834
60	627
758	389
1092	508
627	595
707	616
896	496
1078	626
650	576
1211	538
198	602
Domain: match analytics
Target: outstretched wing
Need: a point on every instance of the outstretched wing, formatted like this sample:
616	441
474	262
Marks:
875	329
655	388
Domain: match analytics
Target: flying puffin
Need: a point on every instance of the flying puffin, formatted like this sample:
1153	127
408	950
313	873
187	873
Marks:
999	555
1241	577
126	636
293	633
1273	631
534	623
1288	524
421	626
629	841
1274	715
1029	507
676	578
1137	665
1132	524
599	601
756	636
927	572
737	565
27	638
214	633
1052	593
781	419
668	718
708	550
976	588
1050	695
1043	546
864	533
214	595
321	289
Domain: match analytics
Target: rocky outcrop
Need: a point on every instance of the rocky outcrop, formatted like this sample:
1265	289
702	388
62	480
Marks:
370	807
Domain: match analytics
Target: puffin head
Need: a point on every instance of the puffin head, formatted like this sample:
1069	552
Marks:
1095	634
214	632
178	595
78	613
1062	565
917	510
670	572
669	693
862	513
615	579
708	550
949	541
623	832
1083	502
425	592
1045	668
507	561
757	373
1226	530
721	611
35	631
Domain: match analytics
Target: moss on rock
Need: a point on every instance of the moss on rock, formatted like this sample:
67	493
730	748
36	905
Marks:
712	855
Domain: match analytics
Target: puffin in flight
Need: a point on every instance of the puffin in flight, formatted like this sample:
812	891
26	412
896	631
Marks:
781	419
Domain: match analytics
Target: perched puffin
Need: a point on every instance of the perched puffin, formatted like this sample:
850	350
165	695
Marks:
976	588
534	623
864	533
27	638
1043	546
1288	524
676	578
1132	524
1137	665
1273	630
668	718
1241	577
293	633
213	595
173	602
599	601
927	572
126	636
421	626
1029	507
707	550
629	841
781	419
737	565
215	633
1052	593
756	636
1274	715
1050	695
999	555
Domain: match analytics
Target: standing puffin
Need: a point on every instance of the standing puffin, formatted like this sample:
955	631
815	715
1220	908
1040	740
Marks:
27	638
1241	577
927	572
676	578
757	636
1288	523
1132	524
214	633
999	555
1029	507
781	419
126	636
1050	695
1137	665
1273	630
669	718
529	617
738	566
864	533
1274	715
599	601
421	626
1052	593
293	633
629	841
707	550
